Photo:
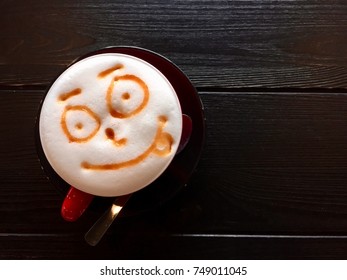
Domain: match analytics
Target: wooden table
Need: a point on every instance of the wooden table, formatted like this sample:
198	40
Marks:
272	179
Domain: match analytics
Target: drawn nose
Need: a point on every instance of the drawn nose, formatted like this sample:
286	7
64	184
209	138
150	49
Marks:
109	132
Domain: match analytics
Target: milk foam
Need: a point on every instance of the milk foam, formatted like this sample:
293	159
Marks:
110	124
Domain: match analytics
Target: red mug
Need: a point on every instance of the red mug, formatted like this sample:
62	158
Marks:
183	164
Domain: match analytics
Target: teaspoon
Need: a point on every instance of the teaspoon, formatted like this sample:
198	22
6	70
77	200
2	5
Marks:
97	231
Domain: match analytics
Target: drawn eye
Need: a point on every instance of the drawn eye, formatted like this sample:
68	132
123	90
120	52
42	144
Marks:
79	123
126	96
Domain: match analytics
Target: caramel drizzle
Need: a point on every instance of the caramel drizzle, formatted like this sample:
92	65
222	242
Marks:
111	136
67	95
106	72
79	125
160	146
116	114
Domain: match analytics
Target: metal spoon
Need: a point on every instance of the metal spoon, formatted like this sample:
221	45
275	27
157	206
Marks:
97	231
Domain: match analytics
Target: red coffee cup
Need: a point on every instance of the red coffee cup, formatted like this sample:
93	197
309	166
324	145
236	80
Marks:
180	169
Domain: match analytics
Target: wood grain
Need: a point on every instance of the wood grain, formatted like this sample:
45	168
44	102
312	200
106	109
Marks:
272	164
219	44
272	75
168	247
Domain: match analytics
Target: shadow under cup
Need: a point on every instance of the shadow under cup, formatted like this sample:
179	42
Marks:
177	174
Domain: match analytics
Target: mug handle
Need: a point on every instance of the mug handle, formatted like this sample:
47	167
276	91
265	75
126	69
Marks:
76	201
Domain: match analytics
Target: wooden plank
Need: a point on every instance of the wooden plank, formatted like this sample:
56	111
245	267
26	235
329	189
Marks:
219	44
277	162
135	247
273	163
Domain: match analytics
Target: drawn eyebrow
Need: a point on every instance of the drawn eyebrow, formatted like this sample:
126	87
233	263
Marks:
108	71
67	95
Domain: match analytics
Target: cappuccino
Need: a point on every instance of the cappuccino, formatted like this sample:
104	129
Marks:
110	124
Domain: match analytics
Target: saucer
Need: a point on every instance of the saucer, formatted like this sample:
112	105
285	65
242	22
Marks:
178	173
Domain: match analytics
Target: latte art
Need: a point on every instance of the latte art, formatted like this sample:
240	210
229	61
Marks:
110	124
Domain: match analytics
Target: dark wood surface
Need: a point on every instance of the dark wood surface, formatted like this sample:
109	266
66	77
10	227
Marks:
272	179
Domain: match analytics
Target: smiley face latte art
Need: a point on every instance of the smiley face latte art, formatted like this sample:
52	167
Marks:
110	124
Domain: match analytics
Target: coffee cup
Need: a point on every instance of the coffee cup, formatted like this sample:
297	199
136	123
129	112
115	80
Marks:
112	124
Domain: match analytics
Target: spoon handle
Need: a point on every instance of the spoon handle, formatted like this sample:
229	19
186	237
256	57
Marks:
97	231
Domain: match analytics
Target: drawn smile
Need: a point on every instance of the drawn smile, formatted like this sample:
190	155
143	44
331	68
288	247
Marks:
161	146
